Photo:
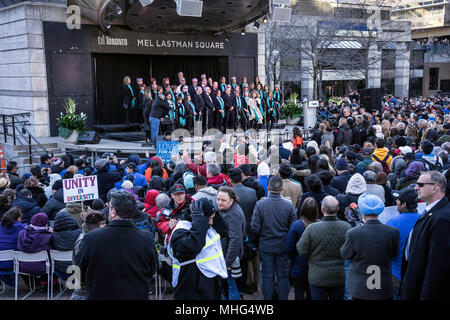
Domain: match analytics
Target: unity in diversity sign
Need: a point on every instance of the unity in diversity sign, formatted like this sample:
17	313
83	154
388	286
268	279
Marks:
80	189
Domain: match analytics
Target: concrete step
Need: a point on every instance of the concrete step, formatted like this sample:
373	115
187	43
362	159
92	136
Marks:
36	146
24	153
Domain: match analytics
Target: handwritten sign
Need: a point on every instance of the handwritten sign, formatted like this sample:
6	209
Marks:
80	189
166	149
391	212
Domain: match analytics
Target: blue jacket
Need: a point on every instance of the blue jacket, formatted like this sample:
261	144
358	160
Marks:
264	181
28	206
299	268
404	223
340	182
139	181
8	241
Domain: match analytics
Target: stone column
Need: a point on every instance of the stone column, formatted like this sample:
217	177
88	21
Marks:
402	64
261	69
23	79
306	68
374	67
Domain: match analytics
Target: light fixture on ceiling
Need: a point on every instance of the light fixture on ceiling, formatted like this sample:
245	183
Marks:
243	31
256	25
265	20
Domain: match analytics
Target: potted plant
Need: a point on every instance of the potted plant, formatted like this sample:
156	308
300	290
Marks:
292	109
71	124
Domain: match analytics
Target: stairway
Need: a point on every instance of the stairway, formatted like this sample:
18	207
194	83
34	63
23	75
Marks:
17	153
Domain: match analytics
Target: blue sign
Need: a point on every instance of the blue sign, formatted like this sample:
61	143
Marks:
166	149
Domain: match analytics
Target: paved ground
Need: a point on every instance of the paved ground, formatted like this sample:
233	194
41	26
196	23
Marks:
38	295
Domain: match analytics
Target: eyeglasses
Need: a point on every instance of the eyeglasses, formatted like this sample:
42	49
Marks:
422	184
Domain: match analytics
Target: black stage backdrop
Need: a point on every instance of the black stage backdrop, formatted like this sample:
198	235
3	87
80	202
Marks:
191	66
112	68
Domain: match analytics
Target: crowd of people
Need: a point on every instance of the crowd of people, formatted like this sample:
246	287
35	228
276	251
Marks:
237	218
217	104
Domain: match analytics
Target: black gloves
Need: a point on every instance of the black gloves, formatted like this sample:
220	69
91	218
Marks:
202	207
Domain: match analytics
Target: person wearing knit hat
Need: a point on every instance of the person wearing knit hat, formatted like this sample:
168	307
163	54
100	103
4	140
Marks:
210	157
34	238
340	181
348	200
263	175
378	251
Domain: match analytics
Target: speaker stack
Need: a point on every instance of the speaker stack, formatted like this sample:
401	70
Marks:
370	99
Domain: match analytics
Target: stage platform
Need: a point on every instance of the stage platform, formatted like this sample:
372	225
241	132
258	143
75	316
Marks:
124	148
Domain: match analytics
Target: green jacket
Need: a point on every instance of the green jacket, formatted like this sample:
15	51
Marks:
320	244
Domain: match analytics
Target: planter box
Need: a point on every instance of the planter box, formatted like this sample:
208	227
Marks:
73	137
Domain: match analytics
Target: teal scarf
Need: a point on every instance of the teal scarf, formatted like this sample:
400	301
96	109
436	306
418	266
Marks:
277	96
270	105
132	93
223	87
239	106
182	113
222	106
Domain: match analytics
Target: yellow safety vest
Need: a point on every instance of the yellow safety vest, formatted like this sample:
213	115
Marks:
210	260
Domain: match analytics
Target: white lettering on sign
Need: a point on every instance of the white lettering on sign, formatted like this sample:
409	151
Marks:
107	41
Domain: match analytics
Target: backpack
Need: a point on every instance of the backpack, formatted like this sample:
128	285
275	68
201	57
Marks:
383	163
431	167
352	214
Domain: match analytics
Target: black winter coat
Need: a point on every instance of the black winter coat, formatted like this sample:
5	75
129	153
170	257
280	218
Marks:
344	136
65	234
117	262
251	182
107	179
160	108
54	204
425	275
186	244
39	195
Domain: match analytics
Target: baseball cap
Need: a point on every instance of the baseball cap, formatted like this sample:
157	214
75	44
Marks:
406	195
100	163
177	188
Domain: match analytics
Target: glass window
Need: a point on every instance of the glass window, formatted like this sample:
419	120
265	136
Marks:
434	78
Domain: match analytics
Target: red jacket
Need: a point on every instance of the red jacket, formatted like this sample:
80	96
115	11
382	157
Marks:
163	224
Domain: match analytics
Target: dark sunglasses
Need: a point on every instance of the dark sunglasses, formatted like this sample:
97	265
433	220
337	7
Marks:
422	184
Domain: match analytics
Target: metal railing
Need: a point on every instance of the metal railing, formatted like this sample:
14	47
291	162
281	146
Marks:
16	128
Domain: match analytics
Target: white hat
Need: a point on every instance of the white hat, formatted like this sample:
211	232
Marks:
127	184
405	150
263	169
210	157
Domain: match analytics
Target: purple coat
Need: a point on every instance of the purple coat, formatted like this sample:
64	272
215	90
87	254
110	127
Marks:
8	241
31	240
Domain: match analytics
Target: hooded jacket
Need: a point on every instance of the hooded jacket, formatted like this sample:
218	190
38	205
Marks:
217	181
209	193
430	160
65	234
8	241
344	136
356	186
150	207
107	179
74	210
28	206
361	166
54	204
381	154
39	195
251	182
31	240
